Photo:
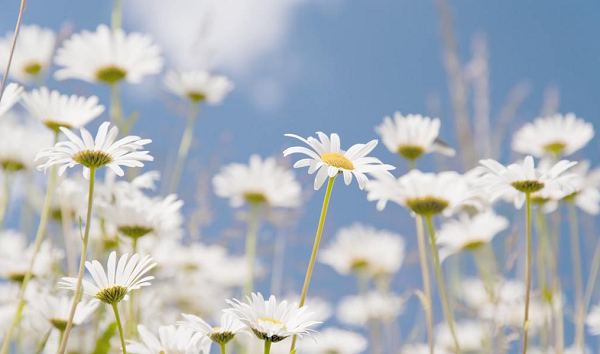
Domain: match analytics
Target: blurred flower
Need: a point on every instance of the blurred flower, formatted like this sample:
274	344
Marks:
170	340
16	254
358	310
593	321
112	287
222	334
261	181
412	136
12	94
104	151
473	337
320	307
56	310
56	110
364	250
33	52
555	135
199	86
330	160
421	349
108	56
334	340
587	188
19	144
551	350
271	321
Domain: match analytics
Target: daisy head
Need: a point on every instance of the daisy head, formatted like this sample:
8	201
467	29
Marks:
90	153
199	86
222	334
335	340
587	183
15	155
108	56
119	279
12	94
56	310
32	55
412	136
329	160
272	321
360	310
56	110
521	179
170	340
259	182
557	135
593	321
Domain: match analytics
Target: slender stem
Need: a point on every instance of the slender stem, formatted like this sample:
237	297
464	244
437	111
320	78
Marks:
44	341
267	347
116	112
222	345
67	231
426	280
592	279
5	197
12	48
116	18
578	279
528	272
251	240
313	256
60	338
86	235
541	265
184	146
441	283
116	311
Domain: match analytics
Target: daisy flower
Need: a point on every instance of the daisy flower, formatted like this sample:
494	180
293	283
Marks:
587	188
56	110
108	56
119	279
335	340
103	151
33	52
271	321
473	337
199	86
421	349
412	136
360	310
329	160
56	309
14	154
12	94
364	250
593	321
559	135
170	340
16	255
221	335
520	179
469	232
259	182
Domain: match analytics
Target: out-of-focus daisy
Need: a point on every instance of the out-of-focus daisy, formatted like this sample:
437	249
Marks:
525	178
359	310
587	188
222	334
56	110
199	86
473	337
56	309
421	349
555	135
104	151
320	307
335	340
108	56
271	321
113	285
412	136
551	350
364	250
329	160
14	154
170	340
16	254
593	321
33	52
259	182
12	94
469	232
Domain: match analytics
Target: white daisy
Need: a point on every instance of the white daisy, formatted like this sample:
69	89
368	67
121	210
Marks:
330	160
11	95
222	334
364	250
15	155
104	151
551	350
108	56
360	310
554	135
261	181
412	136
593	321
199	86
587	188
335	340
170	340
473	337
320	307
271	321
56	110
56	310
469	232
519	179
33	52
112	287
422	349
16	254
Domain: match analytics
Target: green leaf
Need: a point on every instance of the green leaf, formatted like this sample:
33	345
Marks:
103	343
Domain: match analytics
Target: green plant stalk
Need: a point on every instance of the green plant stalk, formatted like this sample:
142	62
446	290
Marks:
315	250
541	264
592	279
116	311
184	146
527	271
441	283
5	198
60	339
12	48
267	347
86	235
116	112
116	18
426	280
222	345
577	277
251	240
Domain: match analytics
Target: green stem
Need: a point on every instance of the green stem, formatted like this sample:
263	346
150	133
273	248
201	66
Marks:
86	235
313	256
577	277
117	15
222	345
267	347
251	240
116	311
592	278
60	338
184	146
116	112
528	272
441	283
44	341
5	197
426	280
12	49
541	264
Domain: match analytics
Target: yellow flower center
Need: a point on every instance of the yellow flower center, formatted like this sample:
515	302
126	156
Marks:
33	68
427	205
112	295
529	186
59	323
196	96
135	232
555	147
411	152
12	166
473	245
337	160
56	125
274	321
111	74
255	197
92	158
